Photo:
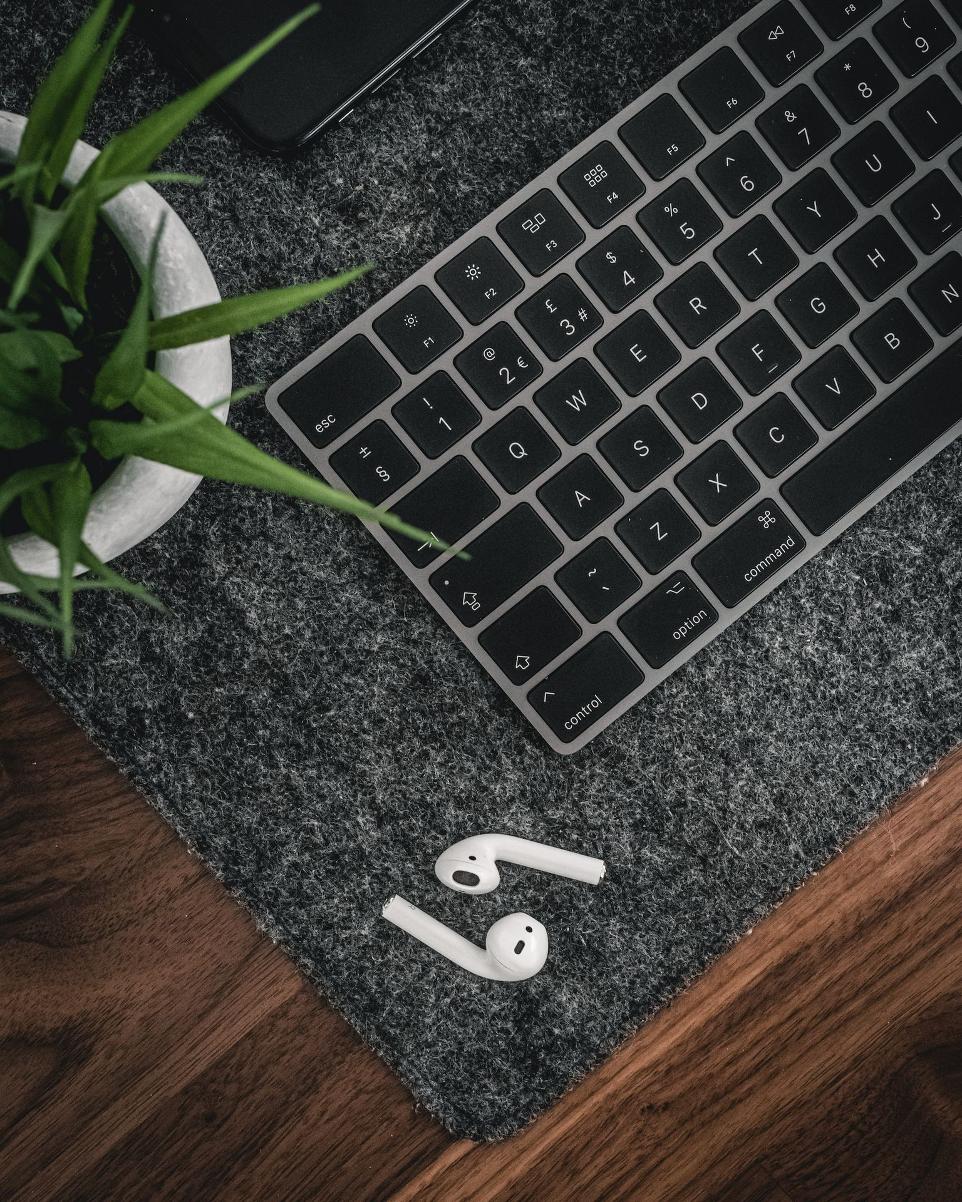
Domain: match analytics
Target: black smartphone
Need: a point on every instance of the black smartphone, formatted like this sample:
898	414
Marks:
312	79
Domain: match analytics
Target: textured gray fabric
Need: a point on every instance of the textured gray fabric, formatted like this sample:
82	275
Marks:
313	732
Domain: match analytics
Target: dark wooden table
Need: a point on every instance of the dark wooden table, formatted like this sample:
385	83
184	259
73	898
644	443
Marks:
154	1045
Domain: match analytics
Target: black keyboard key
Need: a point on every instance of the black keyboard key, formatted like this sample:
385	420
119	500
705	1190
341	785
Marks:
914	35
577	401
585	688
856	80
679	221
668	619
837	17
938	293
559	316
797	126
579	497
873	163
661	136
657	531
512	551
739	173
540	231
931	211
756	257
930	117
748	553
817	304
447	505
337	392
479	280
758	352
620	268
717	482
597	580
637	353
834	387
697	304
814	210
374	463
780	43
417	329
775	435
436	414
875	258
601	184
516	449
640	448
498	365
887	439
891	340
699	400
530	635
720	89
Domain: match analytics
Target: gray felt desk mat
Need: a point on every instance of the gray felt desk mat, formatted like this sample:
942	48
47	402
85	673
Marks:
308	726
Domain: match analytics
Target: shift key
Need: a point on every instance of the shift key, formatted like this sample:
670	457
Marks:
586	687
748	553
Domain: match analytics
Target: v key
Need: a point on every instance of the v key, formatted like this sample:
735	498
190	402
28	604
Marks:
834	387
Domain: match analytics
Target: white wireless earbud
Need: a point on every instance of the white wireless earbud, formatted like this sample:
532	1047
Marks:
515	947
469	866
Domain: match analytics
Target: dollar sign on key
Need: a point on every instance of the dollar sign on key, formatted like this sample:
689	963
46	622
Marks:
610	257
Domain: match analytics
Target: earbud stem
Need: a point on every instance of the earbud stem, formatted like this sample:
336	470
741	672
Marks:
544	858
442	939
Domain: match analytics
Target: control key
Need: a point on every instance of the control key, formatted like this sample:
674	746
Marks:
585	687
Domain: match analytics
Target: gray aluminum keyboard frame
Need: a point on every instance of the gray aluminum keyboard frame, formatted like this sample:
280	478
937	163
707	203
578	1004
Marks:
769	488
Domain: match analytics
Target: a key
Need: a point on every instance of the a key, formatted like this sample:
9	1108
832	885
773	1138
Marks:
697	305
516	449
657	531
699	400
720	89
577	401
374	463
668	619
758	352
586	687
579	497
873	163
856	80
417	329
814	210
780	43
869	453
748	553
498	365
837	17
875	258
559	316
436	414
540	231
756	257
739	173
717	482
797	126
834	387
938	293
446	505
637	353
503	559
530	635
914	35
931	211
479	280
620	268
817	304
930	117
337	392
640	448
679	221
775	435
601	184
597	580
891	340
661	136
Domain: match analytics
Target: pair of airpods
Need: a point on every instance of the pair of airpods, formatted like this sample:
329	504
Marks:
516	946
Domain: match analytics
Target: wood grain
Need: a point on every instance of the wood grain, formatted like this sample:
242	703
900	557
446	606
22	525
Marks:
154	1045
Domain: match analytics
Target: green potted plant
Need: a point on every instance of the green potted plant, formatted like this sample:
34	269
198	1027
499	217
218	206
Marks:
115	370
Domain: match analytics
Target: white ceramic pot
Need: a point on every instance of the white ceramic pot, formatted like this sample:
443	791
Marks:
140	496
